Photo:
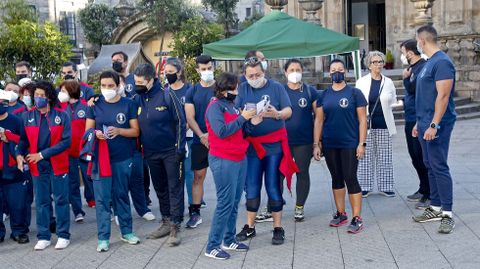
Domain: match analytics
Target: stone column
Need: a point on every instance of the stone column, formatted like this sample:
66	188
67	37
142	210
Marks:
276	4
311	7
422	7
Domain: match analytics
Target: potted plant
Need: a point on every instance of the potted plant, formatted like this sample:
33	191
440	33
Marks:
389	60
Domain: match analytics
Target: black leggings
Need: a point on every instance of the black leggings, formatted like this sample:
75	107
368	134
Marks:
343	165
303	157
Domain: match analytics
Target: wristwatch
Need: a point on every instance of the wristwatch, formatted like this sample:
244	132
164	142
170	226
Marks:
364	144
433	125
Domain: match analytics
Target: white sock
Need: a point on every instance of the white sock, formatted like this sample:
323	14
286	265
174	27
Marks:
436	208
448	213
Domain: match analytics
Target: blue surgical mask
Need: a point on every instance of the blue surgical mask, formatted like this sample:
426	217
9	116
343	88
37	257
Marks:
41	102
338	77
27	100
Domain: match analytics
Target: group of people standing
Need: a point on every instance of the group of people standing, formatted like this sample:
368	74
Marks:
250	130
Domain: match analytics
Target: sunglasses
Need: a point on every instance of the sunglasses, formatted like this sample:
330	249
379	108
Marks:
251	61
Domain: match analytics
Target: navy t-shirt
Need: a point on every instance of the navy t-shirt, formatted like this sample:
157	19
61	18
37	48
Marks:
181	93
117	115
129	85
340	128
410	84
438	67
200	97
377	117
273	91
300	125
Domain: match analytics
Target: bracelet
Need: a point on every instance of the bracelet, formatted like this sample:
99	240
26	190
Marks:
40	154
278	116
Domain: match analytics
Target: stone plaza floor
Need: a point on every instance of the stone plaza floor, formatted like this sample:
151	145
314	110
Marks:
390	239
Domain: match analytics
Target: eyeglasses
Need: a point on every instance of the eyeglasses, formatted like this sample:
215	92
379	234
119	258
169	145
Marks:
377	62
251	61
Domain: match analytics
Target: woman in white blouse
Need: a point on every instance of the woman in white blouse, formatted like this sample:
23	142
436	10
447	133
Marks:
380	93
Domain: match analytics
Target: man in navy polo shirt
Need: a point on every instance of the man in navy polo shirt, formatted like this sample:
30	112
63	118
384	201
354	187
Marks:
120	64
196	103
435	120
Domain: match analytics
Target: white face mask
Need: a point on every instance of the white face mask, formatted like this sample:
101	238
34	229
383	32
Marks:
264	65
207	75
294	77
27	100
419	48
63	97
404	59
109	94
257	83
13	96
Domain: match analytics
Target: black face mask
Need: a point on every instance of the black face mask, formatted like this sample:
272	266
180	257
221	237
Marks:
140	89
338	77
19	77
117	66
230	97
171	78
67	77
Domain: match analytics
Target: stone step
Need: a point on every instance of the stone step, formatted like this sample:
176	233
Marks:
459	100
461	109
466	116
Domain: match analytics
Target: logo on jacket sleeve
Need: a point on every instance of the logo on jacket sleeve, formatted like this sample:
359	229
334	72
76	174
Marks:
58	120
343	103
81	114
121	118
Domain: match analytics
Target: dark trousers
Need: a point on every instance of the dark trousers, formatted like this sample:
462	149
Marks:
167	181
415	152
136	185
75	197
303	157
16	196
435	156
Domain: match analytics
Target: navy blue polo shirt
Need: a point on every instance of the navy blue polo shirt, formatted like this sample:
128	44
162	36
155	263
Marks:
273	91
410	84
200	97
341	125
438	67
377	118
300	125
117	115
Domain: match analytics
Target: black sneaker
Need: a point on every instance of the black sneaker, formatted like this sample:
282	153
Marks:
414	197
423	203
365	194
246	233
278	236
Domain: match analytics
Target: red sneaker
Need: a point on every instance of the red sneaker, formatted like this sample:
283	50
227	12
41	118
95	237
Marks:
91	203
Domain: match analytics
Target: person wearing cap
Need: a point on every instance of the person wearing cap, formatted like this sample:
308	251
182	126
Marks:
113	121
120	65
196	103
70	72
13	186
44	144
162	124
15	105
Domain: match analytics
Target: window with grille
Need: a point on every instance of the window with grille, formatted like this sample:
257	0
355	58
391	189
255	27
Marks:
68	27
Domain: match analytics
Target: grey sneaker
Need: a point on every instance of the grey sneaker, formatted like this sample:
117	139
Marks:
422	203
446	225
356	225
428	215
339	219
415	197
162	231
264	216
299	213
174	239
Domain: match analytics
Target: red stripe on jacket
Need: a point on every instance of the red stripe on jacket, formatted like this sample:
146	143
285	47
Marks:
287	166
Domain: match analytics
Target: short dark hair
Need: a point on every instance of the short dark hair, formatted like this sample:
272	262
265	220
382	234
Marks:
73	88
145	70
175	62
203	59
29	87
410	45
292	61
251	53
336	60
24	63
125	56
11	82
110	74
430	30
225	82
72	64
49	89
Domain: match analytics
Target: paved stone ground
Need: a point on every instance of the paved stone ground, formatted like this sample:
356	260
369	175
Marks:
391	239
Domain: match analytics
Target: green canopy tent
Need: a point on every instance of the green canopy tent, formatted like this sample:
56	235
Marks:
281	36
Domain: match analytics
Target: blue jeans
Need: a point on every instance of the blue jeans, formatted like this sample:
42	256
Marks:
87	181
253	187
44	186
75	197
187	171
135	185
16	196
113	190
229	178
435	156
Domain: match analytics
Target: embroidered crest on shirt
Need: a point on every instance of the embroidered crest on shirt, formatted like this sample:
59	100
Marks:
266	97
302	102
121	119
161	108
129	87
81	114
343	103
58	120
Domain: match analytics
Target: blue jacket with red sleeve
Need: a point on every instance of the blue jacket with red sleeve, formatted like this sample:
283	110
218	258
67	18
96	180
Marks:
78	118
95	151
17	109
58	124
12	126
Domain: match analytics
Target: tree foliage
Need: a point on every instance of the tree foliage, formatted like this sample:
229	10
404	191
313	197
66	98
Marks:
25	39
250	20
15	11
188	42
225	10
98	22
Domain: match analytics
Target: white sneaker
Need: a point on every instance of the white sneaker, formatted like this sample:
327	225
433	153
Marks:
42	244
149	216
62	243
79	218
116	221
5	217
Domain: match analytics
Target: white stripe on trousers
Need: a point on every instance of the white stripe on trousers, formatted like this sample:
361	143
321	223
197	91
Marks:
377	163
